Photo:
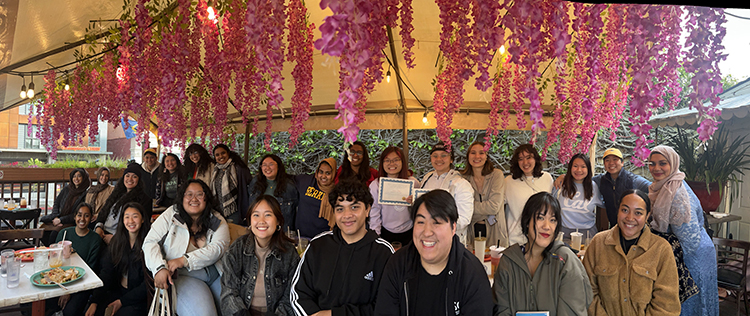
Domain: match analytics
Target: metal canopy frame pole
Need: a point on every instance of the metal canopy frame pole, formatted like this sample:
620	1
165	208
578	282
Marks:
401	100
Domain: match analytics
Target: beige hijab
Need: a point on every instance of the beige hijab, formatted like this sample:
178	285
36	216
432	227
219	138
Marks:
326	210
662	192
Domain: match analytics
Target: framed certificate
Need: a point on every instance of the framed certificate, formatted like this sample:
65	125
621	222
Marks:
419	192
394	191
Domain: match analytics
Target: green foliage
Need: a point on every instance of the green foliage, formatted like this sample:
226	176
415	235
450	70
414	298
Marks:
75	163
718	160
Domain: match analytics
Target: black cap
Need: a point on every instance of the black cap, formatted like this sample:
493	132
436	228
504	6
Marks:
441	146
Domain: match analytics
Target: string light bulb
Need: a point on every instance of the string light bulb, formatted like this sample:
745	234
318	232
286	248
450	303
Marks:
424	117
23	89
388	75
30	92
67	84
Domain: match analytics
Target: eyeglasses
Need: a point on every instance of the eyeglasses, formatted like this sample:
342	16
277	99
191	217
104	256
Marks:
190	195
387	161
270	165
356	152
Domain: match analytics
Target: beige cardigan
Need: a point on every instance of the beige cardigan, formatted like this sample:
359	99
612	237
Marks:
98	201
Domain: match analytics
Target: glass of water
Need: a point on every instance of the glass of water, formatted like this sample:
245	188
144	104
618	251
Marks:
14	272
5	255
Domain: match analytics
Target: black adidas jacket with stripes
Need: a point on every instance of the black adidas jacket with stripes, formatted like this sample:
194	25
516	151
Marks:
342	277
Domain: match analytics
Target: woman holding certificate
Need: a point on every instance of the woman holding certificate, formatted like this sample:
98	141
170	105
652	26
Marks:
444	177
392	222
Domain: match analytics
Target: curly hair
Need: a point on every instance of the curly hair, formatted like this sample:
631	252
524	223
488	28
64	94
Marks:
515	169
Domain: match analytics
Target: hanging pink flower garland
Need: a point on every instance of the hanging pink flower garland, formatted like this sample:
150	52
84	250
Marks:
300	50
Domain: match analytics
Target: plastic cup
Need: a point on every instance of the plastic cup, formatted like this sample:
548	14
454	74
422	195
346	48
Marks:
495	254
575	240
14	272
41	260
560	236
302	245
55	256
5	255
67	244
479	243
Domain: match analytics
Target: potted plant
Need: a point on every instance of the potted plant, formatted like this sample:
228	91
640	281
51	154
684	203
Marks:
710	166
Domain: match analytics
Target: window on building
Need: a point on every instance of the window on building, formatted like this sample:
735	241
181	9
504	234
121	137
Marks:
28	142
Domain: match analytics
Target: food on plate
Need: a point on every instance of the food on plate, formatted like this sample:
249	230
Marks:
58	275
28	256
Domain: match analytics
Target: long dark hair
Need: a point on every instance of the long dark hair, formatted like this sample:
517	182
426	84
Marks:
569	186
515	169
203	164
75	191
539	204
279	240
119	246
204	220
179	170
469	170
404	173
282	178
364	169
120	195
236	158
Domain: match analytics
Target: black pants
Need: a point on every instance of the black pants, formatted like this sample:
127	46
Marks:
129	310
404	238
76	306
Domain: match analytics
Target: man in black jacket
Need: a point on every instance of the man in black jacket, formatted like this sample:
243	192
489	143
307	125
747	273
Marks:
435	274
340	272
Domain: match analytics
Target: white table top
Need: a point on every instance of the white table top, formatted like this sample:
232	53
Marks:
26	292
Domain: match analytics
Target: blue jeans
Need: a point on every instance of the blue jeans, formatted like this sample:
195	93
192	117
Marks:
195	290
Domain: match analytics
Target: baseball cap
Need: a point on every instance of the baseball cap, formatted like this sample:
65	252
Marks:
612	151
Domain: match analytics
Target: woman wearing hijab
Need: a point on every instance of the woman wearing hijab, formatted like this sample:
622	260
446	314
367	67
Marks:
66	203
678	217
97	195
314	213
229	185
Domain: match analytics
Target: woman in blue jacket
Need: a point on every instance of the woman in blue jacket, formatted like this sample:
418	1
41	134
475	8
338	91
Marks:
273	180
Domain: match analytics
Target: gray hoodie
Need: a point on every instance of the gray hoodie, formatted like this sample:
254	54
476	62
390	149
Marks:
560	284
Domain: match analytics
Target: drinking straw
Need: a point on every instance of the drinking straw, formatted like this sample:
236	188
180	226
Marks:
64	233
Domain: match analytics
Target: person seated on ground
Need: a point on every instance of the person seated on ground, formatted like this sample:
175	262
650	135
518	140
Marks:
122	272
628	262
172	174
356	159
392	222
445	177
543	274
579	199
97	195
150	172
229	182
273	180
66	204
128	189
87	244
258	267
340	271
314	213
187	241
435	274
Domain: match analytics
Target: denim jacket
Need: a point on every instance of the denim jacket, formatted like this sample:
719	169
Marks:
241	269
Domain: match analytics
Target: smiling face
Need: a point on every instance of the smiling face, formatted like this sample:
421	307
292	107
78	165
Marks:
170	163
270	168
150	160
130	180
613	164
132	220
527	163
659	166
392	165
221	155
103	177
324	174
578	170
83	217
632	216
77	179
194	201
356	155
477	156
543	229
441	161
351	217
433	238
263	223
195	157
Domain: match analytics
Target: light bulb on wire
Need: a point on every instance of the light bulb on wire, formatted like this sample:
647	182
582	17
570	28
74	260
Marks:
388	75
30	92
23	89
424	117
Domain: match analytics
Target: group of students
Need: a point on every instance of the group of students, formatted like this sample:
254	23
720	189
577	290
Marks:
350	266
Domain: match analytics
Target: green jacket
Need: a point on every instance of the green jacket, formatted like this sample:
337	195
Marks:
560	284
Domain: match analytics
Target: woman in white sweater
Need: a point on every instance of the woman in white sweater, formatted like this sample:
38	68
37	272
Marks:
184	246
526	179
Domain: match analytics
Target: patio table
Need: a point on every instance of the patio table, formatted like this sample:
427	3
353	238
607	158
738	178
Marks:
26	292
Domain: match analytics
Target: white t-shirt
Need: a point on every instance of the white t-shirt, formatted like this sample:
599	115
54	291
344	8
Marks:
579	212
517	192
